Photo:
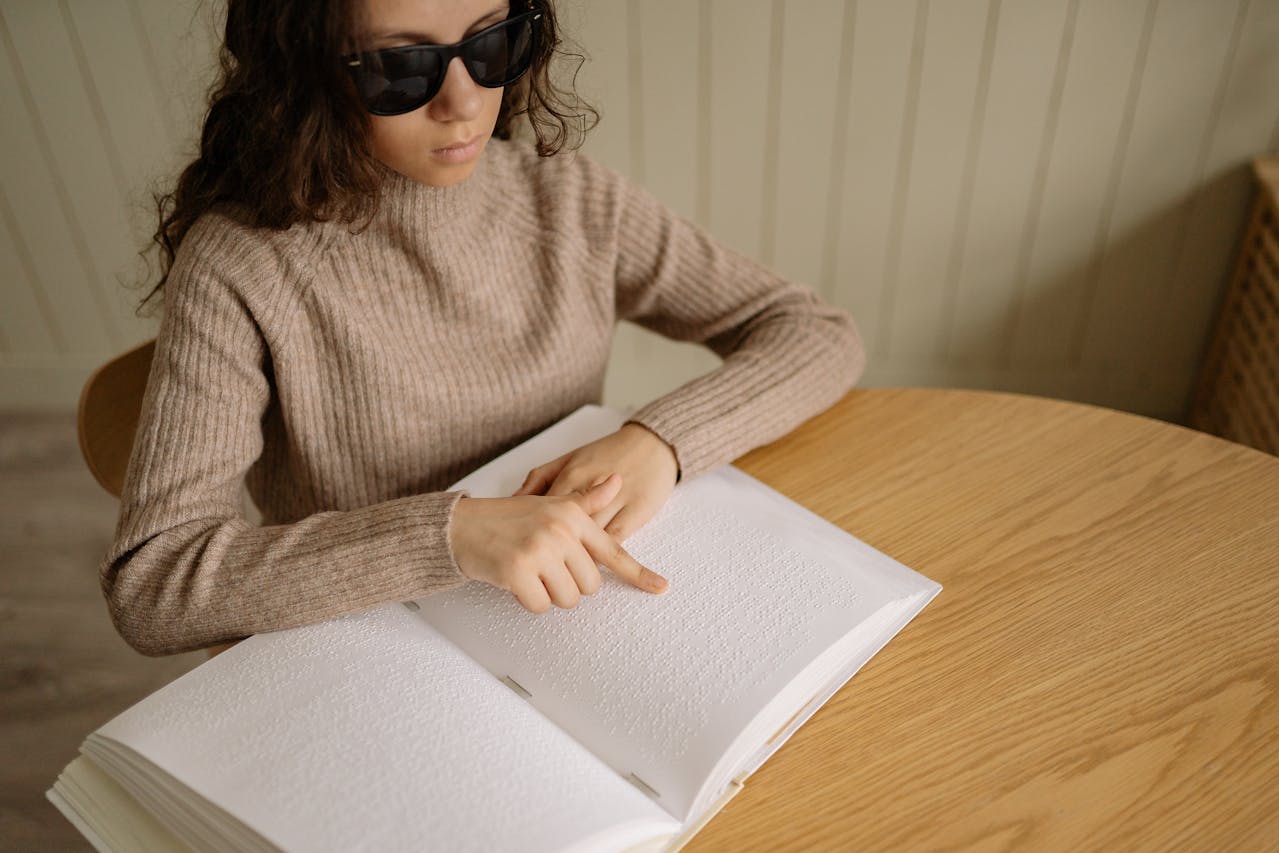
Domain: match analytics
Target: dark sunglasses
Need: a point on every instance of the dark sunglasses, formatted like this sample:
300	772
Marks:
398	80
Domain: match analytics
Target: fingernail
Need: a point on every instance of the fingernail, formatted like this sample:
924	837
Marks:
654	581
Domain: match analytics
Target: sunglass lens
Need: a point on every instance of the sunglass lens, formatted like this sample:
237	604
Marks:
501	56
393	83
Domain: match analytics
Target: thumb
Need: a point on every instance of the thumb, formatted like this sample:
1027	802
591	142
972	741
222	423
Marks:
601	494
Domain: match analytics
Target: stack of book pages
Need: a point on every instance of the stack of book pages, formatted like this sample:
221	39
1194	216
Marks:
462	721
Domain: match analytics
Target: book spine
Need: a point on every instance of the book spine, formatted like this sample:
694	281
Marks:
629	777
523	692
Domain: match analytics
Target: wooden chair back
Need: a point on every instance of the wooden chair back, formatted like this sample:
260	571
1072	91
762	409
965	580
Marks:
107	417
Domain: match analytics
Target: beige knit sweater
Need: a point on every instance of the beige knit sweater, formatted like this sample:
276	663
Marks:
347	379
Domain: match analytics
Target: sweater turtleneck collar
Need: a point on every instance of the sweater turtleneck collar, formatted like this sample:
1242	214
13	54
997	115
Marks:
407	200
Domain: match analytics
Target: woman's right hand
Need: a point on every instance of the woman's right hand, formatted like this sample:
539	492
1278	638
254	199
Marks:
542	549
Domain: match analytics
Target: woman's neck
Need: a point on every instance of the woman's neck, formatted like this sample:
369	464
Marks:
409	201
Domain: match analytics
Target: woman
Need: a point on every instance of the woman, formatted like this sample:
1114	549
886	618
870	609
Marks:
373	289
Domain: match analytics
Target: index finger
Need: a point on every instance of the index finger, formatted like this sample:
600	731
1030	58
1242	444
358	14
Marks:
604	549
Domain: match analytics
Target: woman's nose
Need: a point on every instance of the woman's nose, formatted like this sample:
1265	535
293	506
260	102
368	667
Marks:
459	97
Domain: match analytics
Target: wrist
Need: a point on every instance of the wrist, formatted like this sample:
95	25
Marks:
670	448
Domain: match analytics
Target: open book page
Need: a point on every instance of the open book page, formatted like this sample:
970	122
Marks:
875	634
374	732
659	686
105	813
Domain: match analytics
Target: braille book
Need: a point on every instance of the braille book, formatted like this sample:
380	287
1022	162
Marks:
462	721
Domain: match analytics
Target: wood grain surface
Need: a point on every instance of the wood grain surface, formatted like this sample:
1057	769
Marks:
1101	669
1099	672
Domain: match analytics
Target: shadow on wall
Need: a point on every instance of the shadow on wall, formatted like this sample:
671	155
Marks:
1124	328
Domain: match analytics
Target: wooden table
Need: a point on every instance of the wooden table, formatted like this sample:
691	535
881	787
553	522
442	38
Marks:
1101	669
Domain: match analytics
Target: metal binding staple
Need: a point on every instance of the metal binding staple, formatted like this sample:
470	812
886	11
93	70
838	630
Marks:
516	686
643	786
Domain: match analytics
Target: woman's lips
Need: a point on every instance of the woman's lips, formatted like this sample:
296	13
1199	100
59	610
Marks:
459	153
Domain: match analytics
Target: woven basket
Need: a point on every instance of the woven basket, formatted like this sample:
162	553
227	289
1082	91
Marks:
1237	395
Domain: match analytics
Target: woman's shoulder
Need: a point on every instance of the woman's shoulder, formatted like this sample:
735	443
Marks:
569	184
222	242
225	233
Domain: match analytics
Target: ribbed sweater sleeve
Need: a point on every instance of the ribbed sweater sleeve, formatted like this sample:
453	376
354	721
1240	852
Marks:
185	569
787	355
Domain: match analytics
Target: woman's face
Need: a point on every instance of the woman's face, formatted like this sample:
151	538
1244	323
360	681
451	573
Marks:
461	111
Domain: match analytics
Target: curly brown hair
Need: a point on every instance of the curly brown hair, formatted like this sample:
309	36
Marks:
286	137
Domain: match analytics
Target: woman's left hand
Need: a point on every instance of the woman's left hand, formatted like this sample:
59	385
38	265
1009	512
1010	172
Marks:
646	463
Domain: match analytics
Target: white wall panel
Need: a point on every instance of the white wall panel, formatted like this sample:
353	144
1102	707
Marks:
30	325
42	201
903	162
1215	210
810	52
948	82
1188	49
1103	53
668	87
883	33
598	29
1037	195
1027	45
87	181
135	135
956	242
740	69
181	39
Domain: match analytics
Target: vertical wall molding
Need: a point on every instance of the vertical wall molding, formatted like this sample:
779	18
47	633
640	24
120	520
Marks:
1114	175
704	141
1039	197
1195	198
22	255
1036	201
901	184
772	109
109	146
153	77
70	221
838	154
634	56
963	208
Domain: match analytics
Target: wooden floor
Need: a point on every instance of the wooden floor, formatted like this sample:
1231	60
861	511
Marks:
63	669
